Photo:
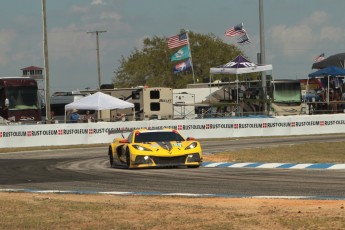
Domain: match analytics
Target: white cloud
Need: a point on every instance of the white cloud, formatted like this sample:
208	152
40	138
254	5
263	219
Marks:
97	2
311	33
292	40
333	34
110	15
70	43
79	9
317	18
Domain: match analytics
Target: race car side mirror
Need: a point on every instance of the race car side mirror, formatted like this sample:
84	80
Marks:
123	141
190	139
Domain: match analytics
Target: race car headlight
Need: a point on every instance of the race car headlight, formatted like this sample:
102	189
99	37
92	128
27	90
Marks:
141	148
192	146
195	157
143	160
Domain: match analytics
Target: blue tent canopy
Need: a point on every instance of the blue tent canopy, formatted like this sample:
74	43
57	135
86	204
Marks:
328	71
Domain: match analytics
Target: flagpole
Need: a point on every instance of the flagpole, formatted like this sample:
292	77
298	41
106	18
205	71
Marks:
190	56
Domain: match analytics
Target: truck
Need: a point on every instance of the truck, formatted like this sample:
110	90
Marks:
19	100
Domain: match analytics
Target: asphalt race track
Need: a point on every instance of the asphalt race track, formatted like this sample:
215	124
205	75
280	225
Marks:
87	171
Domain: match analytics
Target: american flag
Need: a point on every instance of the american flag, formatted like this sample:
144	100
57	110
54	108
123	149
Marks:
236	30
244	39
177	41
319	58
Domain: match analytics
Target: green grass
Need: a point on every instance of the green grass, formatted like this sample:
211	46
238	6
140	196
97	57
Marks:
327	152
52	211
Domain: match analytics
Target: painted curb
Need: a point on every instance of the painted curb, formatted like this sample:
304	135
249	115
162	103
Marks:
271	165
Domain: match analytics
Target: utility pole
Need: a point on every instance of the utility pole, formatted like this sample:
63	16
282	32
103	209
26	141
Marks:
46	62
97	32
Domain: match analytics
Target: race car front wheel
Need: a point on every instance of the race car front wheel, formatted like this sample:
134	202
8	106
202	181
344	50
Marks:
111	157
128	158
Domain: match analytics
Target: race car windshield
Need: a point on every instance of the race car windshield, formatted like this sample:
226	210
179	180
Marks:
158	137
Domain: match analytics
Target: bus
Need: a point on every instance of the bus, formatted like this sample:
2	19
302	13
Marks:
286	98
19	100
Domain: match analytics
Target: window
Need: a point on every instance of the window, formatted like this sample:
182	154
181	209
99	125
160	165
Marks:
129	138
158	137
155	106
154	94
135	94
22	97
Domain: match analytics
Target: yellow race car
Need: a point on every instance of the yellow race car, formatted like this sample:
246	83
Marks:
145	148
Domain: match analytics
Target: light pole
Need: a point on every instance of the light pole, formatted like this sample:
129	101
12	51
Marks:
262	53
46	63
97	32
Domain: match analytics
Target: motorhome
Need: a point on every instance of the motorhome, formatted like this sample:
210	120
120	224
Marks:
189	103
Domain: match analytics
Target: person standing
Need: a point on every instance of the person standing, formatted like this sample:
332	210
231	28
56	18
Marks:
75	117
88	117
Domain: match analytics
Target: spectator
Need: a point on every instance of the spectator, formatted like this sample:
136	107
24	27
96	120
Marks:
75	117
52	117
120	117
88	117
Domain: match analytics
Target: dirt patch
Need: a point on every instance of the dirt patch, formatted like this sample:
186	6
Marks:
57	211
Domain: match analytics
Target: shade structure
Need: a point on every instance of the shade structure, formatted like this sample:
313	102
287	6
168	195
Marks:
99	101
239	65
328	71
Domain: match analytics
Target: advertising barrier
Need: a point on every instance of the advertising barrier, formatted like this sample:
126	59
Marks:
94	133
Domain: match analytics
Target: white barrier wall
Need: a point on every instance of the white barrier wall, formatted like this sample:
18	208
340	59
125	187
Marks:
92	133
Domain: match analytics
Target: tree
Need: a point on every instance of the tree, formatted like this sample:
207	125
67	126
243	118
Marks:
151	66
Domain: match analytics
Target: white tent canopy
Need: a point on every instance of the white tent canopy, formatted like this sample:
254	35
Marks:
99	101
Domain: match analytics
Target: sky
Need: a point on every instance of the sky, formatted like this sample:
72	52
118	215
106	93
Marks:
295	33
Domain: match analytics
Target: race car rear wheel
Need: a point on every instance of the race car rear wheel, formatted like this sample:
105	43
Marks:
111	157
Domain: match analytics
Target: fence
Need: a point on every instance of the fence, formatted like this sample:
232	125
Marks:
97	132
